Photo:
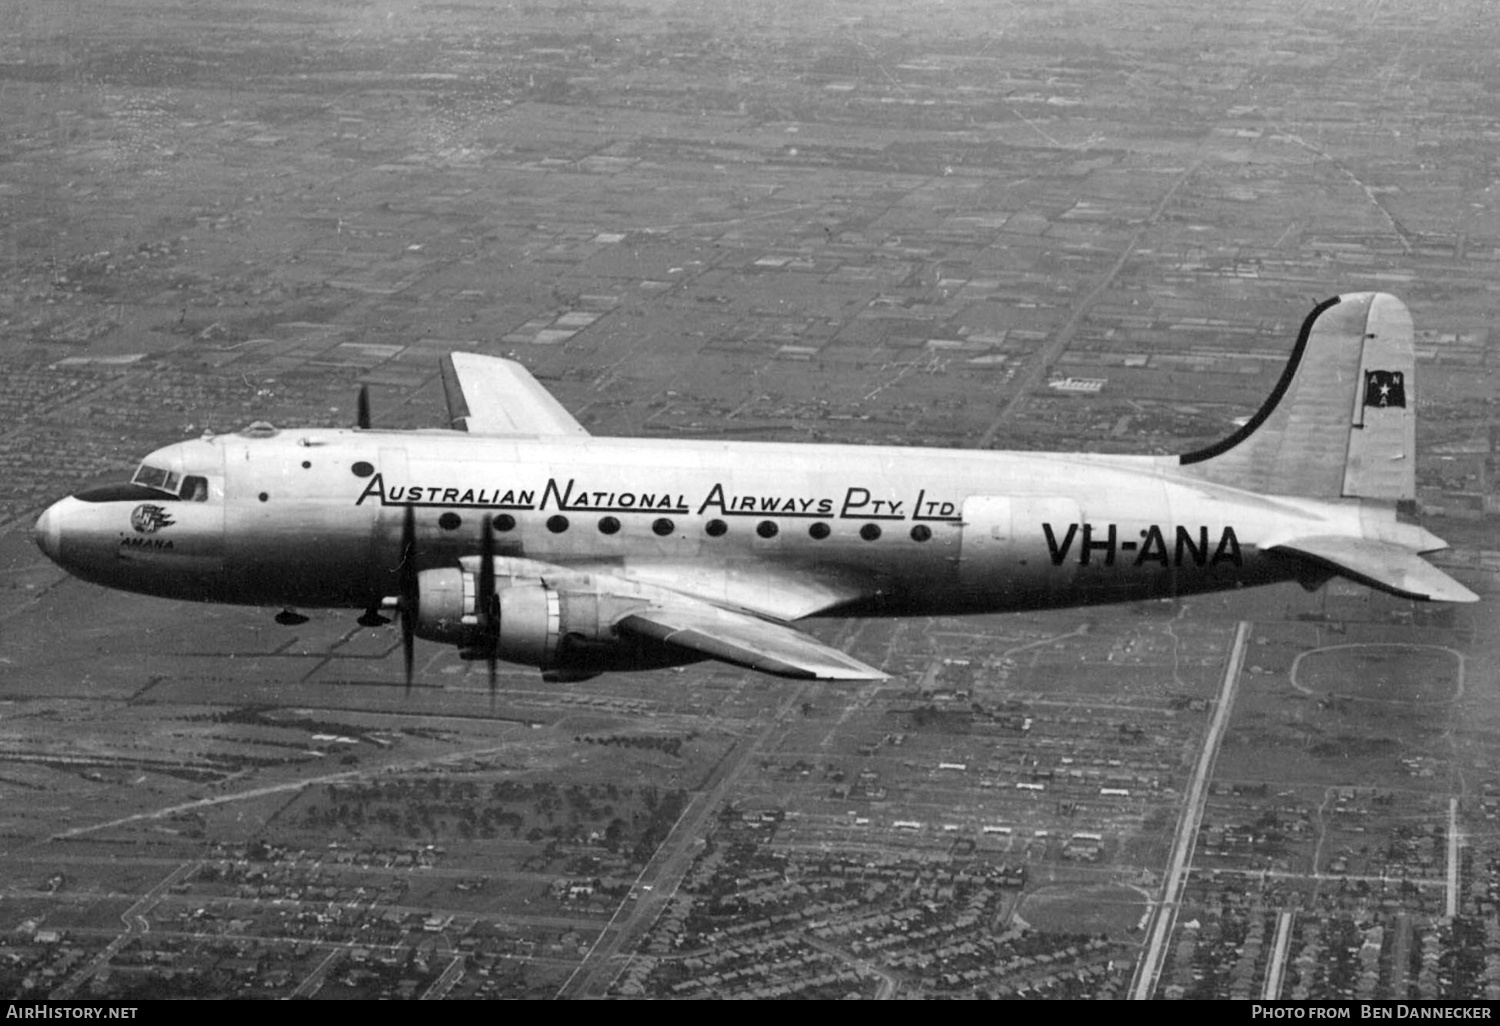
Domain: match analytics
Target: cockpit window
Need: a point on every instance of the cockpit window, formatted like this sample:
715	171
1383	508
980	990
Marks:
156	477
164	484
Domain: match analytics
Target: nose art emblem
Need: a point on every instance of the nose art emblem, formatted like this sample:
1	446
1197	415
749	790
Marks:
148	519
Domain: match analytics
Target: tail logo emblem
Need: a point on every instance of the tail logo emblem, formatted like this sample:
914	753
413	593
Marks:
1385	388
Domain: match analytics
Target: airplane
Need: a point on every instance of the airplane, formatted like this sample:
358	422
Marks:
517	536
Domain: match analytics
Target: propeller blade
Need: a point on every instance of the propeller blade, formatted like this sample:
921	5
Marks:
363	420
408	648
489	602
410	593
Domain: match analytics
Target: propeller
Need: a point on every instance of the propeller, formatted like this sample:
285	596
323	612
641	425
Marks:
363	416
410	594
489	601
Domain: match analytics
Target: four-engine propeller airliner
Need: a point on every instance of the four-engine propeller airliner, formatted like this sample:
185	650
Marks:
515	535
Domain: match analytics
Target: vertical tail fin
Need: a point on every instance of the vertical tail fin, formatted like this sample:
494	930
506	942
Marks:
1341	422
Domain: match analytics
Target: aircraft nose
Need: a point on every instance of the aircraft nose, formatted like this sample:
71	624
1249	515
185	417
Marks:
48	532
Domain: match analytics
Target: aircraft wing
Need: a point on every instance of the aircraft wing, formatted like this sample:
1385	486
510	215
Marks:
1381	565
744	640
491	396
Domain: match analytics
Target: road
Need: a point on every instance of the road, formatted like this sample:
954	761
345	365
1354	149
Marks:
1276	967
136	924
1165	914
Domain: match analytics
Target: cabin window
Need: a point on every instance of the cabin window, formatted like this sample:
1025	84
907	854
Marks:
609	525
505	522
870	532
819	530
662	526
921	533
715	528
557	524
766	529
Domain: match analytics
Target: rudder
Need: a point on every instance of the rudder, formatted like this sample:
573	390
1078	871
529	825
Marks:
1383	436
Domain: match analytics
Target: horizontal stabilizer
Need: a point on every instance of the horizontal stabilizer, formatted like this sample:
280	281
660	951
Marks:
1381	565
747	641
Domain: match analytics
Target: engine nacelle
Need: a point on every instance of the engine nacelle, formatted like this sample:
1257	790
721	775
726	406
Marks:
535	618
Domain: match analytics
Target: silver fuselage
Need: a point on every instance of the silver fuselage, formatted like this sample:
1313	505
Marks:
312	518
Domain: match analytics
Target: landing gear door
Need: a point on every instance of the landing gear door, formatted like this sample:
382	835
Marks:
1015	546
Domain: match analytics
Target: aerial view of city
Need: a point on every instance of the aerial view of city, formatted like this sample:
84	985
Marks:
1035	225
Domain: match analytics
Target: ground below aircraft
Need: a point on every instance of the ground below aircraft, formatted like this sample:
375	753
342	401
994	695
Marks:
515	535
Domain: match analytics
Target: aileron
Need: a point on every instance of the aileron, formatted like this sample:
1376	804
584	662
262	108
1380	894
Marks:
491	396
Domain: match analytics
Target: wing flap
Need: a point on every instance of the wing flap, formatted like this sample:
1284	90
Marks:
490	396
744	640
1381	565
